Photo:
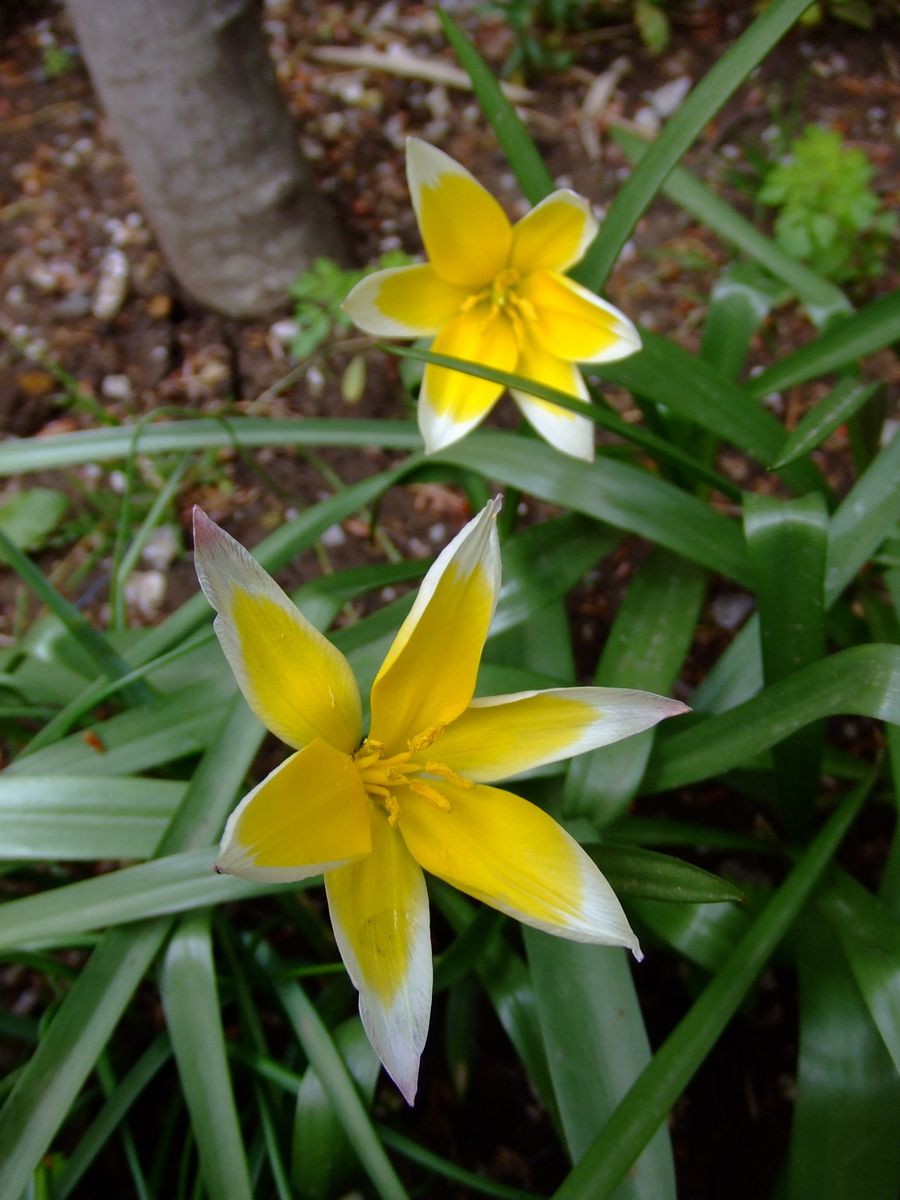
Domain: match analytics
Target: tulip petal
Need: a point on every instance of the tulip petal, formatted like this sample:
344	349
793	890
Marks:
500	849
499	736
554	235
308	816
466	233
428	676
567	431
298	684
379	911
403	302
573	323
451	402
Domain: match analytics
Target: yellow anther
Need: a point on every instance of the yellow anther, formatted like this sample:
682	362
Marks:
421	741
445	772
392	808
432	795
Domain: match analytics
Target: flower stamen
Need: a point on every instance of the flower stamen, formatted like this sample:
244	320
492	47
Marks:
421	741
429	793
445	772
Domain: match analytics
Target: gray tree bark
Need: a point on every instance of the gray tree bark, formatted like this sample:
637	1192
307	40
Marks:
192	97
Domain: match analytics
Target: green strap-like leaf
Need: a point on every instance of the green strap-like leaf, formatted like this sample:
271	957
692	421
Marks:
844	1142
845	343
83	1023
524	158
691	388
335	1079
650	636
680	132
681	395
863	681
611	492
844	400
787	543
191	1005
870	939
596	1046
866	516
201	433
635	871
84	817
172	884
322	1158
643	1110
822	299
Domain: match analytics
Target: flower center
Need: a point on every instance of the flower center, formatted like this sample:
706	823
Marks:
501	296
381	775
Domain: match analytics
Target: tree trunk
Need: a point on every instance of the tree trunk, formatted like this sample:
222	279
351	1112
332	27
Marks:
191	93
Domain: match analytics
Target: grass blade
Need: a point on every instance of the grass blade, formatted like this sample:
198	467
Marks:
787	543
524	158
200	433
91	641
862	681
111	1115
322	1157
870	940
844	1142
596	1046
83	1023
680	132
866	516
643	1110
872	328
323	1055
658	448
83	817
844	400
611	492
650	636
821	299
191	1004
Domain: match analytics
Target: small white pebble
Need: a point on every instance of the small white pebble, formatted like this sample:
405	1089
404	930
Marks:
145	592
729	609
315	381
333	537
161	548
116	387
647	120
112	285
284	331
666	99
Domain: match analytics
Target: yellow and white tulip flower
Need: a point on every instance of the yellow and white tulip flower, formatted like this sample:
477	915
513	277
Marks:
496	294
371	813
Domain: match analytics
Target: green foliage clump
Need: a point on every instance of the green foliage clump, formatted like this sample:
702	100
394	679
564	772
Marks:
540	28
319	293
828	215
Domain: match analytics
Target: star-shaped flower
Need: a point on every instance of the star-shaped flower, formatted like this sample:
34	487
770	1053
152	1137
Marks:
495	294
372	812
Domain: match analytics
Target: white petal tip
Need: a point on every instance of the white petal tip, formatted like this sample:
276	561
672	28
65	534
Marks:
637	952
204	526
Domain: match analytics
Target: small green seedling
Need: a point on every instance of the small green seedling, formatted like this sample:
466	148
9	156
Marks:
318	294
828	214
